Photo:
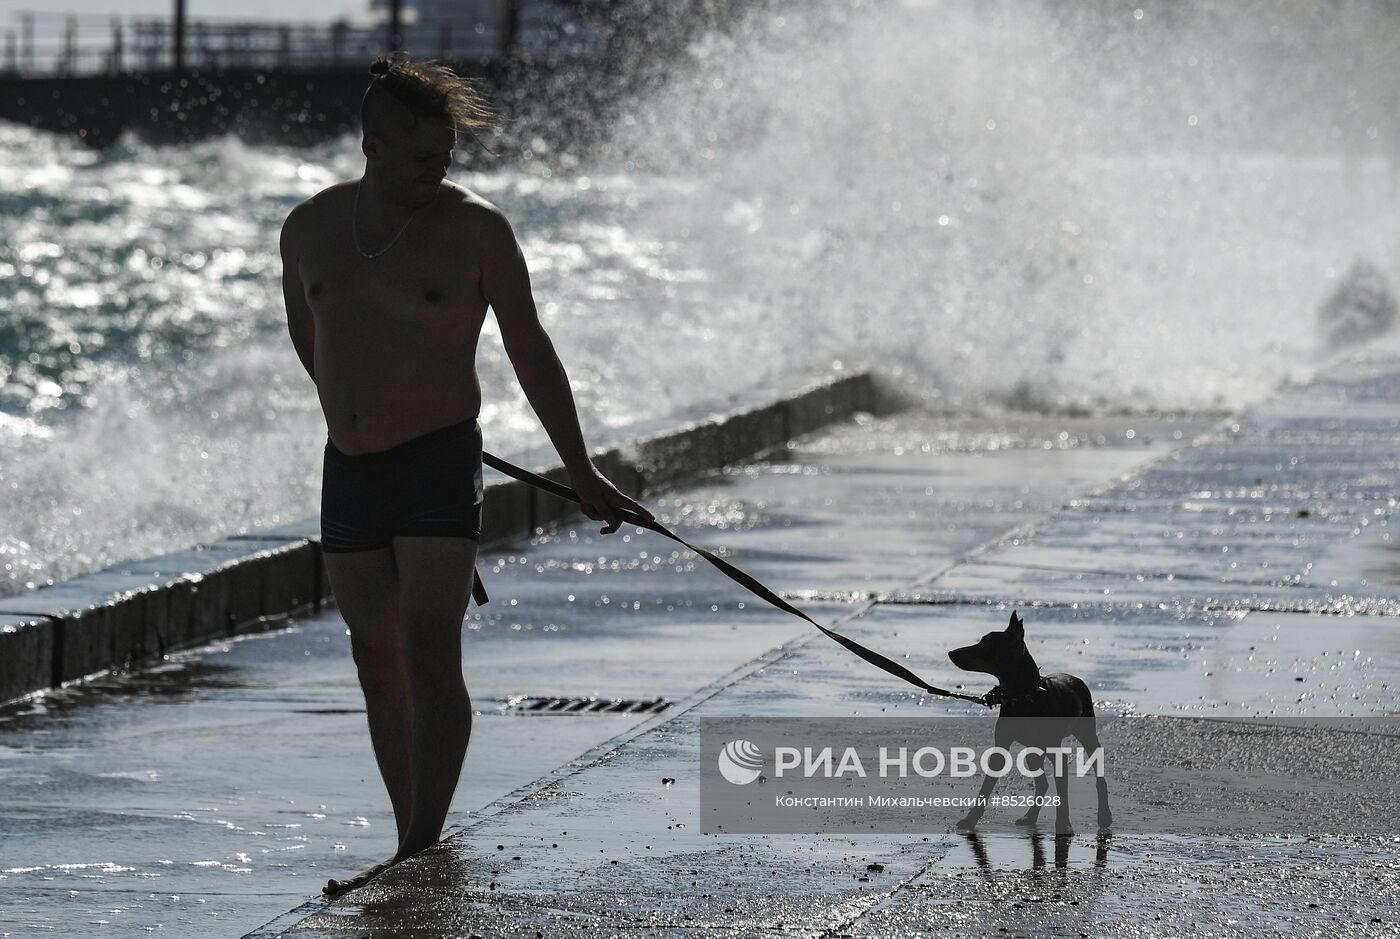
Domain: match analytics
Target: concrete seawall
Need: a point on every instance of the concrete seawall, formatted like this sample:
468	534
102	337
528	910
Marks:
136	611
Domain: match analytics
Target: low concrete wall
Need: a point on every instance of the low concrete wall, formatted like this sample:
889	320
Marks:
137	611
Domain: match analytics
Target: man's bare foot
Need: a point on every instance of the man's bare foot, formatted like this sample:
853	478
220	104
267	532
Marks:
335	888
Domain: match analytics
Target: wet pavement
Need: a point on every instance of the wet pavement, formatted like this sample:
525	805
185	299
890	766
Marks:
1229	597
206	796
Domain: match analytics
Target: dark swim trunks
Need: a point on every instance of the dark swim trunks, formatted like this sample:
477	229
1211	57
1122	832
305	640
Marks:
430	485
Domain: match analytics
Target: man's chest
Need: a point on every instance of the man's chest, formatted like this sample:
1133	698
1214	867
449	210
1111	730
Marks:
415	279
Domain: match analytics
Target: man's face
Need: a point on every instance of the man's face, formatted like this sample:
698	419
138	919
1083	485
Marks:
413	166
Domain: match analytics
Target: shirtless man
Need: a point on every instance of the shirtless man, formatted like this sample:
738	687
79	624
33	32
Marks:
387	280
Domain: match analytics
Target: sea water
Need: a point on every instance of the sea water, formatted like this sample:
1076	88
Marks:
1067	209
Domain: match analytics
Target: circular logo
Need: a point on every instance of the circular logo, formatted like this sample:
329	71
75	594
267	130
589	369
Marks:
740	762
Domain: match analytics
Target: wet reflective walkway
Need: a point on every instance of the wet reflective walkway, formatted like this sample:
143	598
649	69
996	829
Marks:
209	795
1250	574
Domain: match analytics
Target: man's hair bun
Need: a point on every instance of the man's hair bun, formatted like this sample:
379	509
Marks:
428	89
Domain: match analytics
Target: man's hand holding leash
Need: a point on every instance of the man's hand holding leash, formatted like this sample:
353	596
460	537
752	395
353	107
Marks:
600	499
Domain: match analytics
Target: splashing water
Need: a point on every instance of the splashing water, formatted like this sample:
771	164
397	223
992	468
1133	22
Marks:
1097	209
1010	201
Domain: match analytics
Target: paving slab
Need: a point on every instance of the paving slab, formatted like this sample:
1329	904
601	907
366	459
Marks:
1223	679
210	793
1146	887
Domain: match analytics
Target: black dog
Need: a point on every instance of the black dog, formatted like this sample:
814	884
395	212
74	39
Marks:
1027	700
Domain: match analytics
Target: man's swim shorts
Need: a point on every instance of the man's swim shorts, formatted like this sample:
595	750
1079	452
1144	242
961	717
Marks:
430	485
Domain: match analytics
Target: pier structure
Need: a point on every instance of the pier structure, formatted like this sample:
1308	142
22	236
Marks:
176	78
41	44
555	67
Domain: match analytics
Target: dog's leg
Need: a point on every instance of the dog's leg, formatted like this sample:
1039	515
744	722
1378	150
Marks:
1086	731
1042	785
970	820
1063	829
1003	737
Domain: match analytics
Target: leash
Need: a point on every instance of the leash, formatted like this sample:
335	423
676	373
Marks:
745	580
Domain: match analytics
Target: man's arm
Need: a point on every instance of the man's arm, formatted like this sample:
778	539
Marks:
505	282
300	323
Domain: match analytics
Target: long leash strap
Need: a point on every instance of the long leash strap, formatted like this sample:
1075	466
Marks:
478	591
743	579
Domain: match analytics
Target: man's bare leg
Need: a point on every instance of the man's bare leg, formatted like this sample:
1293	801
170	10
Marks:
366	587
435	582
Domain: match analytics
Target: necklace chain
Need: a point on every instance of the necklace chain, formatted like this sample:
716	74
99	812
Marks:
355	230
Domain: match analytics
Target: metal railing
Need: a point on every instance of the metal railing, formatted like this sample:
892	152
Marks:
40	44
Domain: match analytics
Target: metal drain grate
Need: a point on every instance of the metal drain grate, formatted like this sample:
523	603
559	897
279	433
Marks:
541	705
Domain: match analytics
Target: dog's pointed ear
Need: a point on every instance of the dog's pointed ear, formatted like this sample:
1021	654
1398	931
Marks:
1016	628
